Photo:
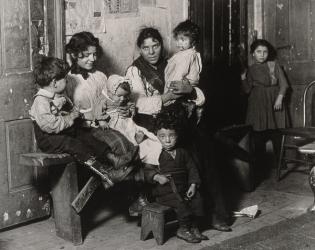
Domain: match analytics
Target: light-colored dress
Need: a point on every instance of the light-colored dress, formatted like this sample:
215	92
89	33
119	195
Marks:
87	93
126	125
185	64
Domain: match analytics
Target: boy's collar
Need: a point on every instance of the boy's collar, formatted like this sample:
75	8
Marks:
46	93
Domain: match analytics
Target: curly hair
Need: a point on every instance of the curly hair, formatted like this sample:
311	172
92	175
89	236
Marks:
49	69
189	29
80	42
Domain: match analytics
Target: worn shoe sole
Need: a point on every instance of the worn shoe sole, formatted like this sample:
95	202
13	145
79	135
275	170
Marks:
189	241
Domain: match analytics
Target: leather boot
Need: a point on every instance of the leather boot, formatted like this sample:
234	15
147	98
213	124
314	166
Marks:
108	174
98	169
185	234
196	232
137	206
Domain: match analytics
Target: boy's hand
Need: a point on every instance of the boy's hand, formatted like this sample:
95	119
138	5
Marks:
191	191
161	179
59	102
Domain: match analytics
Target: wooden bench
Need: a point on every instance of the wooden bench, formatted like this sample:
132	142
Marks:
154	219
64	192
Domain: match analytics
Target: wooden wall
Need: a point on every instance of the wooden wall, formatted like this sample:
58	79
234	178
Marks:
289	25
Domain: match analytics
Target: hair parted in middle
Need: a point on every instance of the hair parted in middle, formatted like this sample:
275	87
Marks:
149	32
272	53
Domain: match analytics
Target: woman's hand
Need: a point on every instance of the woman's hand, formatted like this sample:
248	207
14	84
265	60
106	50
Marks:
103	125
191	191
169	96
181	87
75	113
278	103
161	179
124	111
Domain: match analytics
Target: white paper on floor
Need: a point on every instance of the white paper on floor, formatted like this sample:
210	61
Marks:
247	212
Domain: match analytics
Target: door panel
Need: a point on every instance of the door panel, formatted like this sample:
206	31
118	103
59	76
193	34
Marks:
23	36
223	41
289	25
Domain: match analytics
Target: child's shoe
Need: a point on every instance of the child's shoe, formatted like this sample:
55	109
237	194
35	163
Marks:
185	234
137	206
108	174
98	169
195	231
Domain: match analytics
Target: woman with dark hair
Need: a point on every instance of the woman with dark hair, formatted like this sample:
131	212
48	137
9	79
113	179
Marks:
147	78
84	87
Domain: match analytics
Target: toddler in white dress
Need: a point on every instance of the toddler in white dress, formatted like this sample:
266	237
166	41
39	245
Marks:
116	97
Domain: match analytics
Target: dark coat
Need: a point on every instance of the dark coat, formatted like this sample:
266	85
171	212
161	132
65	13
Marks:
183	171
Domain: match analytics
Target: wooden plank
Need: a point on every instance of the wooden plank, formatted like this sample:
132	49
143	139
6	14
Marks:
85	193
64	190
44	160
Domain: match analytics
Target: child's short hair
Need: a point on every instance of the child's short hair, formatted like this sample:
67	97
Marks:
49	69
188	28
168	119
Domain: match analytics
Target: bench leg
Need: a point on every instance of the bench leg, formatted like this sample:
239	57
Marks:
64	190
311	179
156	224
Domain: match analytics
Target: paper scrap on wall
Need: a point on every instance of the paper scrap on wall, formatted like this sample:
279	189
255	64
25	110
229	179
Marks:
82	15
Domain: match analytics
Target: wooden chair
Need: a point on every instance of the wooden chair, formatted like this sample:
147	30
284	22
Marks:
293	139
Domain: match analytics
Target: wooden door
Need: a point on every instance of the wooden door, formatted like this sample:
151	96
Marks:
223	25
24	28
289	25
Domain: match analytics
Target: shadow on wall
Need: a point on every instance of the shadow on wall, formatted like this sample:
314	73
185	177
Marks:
105	63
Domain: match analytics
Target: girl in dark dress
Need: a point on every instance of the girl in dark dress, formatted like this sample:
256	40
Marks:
266	85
